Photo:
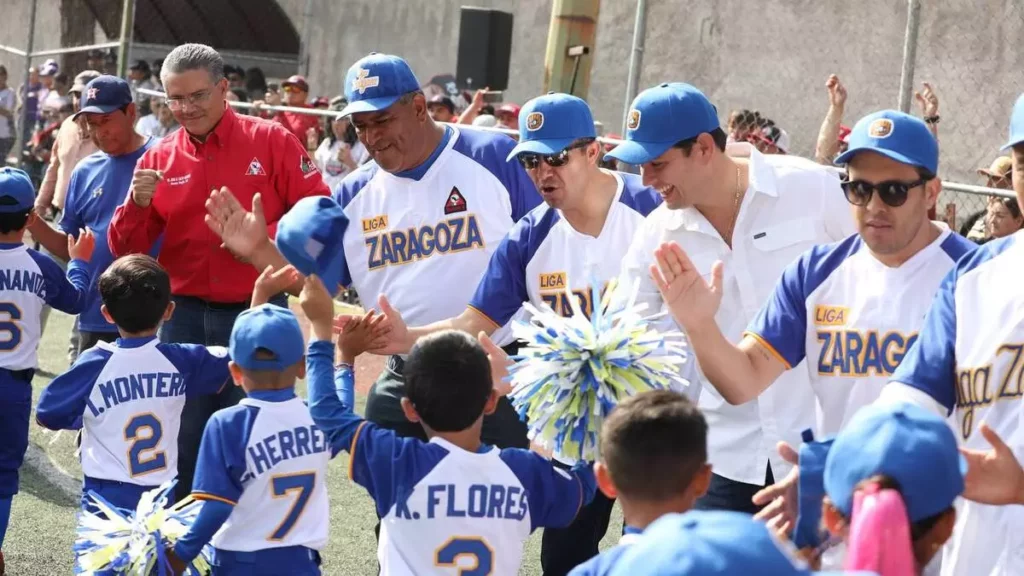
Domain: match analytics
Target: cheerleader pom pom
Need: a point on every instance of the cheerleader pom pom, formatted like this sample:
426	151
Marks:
136	544
574	370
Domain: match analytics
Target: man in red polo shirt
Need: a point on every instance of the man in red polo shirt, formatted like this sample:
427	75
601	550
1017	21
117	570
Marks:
217	149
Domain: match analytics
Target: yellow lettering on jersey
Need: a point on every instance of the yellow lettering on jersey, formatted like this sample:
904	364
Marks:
552	281
857	354
375	224
397	247
560	303
972	384
830	315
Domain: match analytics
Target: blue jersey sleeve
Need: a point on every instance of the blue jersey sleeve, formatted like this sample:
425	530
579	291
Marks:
63	403
331	414
502	290
642	199
491	151
555	495
220	467
344	193
67	293
205	368
212	516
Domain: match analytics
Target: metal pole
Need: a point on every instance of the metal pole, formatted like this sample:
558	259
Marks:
24	106
127	24
909	54
636	58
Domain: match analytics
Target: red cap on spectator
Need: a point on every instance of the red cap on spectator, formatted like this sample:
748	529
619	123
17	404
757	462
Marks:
297	81
509	108
844	133
321	102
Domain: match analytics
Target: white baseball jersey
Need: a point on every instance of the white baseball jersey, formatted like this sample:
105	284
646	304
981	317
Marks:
969	358
127	398
267	458
543	255
424	237
852	317
30	280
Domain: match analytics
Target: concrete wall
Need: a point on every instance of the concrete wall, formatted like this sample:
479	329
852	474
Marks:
772	55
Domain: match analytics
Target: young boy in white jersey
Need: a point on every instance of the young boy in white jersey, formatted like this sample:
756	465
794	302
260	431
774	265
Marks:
28	281
654	460
127	396
262	467
453	504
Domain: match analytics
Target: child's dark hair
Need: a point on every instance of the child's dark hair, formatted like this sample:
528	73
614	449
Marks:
653	444
448	380
12	221
136	291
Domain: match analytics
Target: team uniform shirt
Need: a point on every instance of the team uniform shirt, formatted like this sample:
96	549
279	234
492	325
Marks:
127	398
266	457
424	237
30	280
791	204
248	155
969	359
444	510
602	564
852	317
98	185
543	256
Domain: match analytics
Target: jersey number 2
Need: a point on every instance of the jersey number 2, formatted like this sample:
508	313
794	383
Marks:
10	326
283	485
145	431
449	552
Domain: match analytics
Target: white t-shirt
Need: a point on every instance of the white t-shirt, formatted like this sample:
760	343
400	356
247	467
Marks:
9	102
791	204
332	170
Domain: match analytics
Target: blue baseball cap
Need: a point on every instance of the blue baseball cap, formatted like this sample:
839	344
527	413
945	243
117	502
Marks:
310	237
104	95
896	135
662	116
268	327
17	193
377	81
910	444
549	124
1016	124
706	543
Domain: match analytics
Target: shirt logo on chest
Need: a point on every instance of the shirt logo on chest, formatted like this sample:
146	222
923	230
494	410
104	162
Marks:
456	202
97	192
830	315
255	168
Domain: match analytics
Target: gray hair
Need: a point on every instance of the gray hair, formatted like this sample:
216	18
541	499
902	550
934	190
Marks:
194	57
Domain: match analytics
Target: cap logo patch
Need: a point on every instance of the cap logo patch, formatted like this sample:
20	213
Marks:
363	80
92	92
880	128
534	121
633	122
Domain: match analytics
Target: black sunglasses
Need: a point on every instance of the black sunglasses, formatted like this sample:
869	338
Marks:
531	161
891	192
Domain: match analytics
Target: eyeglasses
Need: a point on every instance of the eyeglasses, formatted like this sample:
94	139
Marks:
531	161
194	99
891	192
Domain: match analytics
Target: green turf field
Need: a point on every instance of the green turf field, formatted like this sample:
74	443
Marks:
42	526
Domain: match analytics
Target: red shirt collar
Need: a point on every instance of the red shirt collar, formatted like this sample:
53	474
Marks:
220	133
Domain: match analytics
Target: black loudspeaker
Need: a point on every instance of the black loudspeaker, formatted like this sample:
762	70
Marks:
485	49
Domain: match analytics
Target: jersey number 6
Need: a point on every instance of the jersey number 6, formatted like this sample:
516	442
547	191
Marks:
283	485
449	552
10	326
146	431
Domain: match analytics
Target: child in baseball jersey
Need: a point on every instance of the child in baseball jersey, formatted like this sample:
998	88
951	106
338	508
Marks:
127	396
28	281
654	460
262	467
451	505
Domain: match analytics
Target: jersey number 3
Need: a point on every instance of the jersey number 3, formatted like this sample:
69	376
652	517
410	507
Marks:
283	485
145	431
477	548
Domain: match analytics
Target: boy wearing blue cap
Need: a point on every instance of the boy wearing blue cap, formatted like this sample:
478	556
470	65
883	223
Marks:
28	281
262	465
577	237
743	217
454	503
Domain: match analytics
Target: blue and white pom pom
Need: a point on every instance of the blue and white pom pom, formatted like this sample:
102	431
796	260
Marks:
574	370
135	544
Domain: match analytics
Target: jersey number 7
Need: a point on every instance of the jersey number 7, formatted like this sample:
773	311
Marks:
477	548
283	485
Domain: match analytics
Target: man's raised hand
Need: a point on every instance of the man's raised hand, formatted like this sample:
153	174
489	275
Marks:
241	231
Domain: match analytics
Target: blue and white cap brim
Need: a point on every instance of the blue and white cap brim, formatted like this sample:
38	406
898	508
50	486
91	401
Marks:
370	105
549	146
633	152
1014	140
845	157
